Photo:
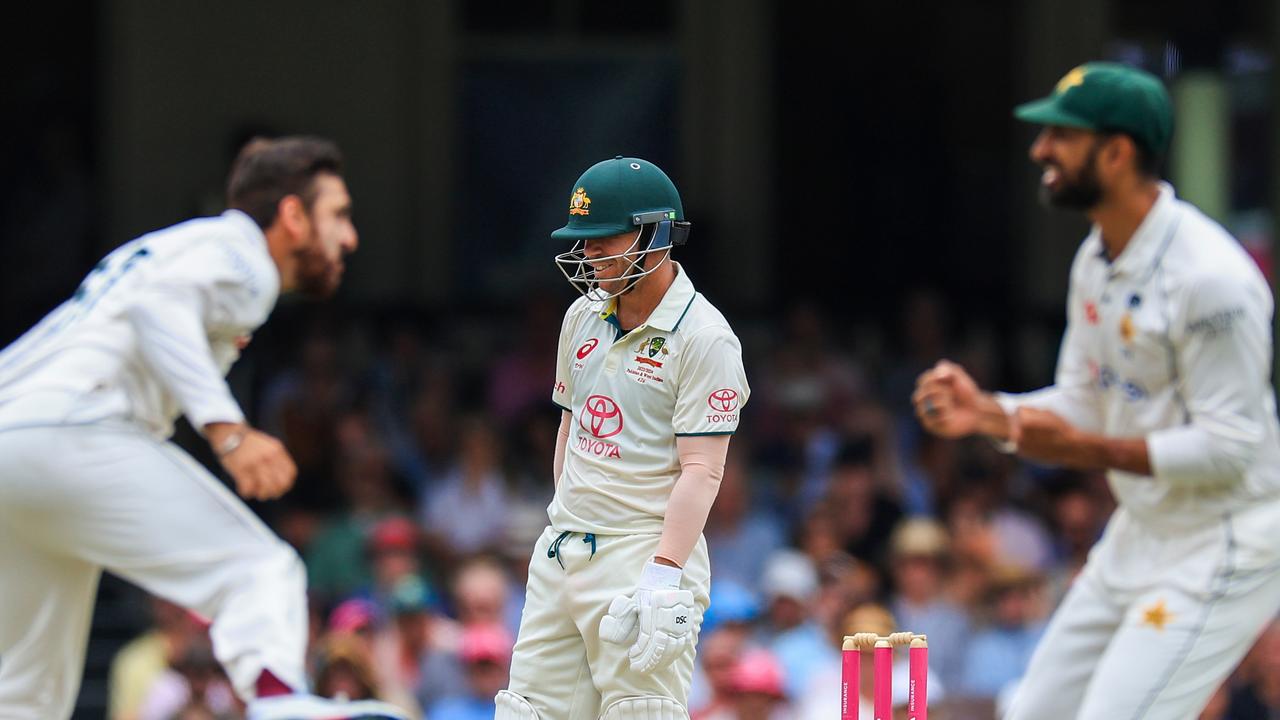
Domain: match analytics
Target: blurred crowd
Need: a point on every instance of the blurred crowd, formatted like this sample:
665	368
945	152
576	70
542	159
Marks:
425	450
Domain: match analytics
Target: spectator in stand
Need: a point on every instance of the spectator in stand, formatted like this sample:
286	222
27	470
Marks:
759	690
486	654
482	592
998	654
726	630
790	586
1078	515
394	546
141	662
864	512
336	558
844	582
194	680
402	644
738	538
467	511
345	669
712	690
301	407
356	620
983	503
919	561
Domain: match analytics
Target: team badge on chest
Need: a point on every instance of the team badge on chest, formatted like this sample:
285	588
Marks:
650	356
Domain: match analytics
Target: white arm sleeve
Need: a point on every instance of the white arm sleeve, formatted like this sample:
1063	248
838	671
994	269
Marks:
1223	354
1073	395
702	460
175	344
217	288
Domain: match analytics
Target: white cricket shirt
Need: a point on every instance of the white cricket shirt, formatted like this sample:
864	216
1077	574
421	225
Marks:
150	333
1172	342
631	395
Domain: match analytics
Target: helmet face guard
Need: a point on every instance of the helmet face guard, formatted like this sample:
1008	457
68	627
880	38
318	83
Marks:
657	233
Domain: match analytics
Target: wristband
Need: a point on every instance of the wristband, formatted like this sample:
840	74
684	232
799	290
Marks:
1009	446
231	443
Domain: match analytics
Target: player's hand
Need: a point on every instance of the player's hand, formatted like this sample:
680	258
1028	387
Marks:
1045	437
946	400
659	620
260	465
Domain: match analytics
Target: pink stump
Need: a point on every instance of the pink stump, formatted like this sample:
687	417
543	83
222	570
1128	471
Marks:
850	670
884	681
918	691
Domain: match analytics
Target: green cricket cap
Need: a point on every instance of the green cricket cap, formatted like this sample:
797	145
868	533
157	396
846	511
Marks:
1108	97
616	196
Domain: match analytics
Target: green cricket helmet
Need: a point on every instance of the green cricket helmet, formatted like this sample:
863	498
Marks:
618	196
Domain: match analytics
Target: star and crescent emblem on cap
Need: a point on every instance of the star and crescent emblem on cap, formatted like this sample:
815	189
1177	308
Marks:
1070	80
579	203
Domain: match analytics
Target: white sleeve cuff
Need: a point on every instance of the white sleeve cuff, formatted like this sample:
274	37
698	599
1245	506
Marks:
215	410
1180	454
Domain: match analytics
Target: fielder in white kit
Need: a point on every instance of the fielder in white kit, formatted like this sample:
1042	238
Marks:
1164	380
89	480
650	380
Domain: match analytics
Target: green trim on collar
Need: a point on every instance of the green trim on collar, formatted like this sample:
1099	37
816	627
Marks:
726	432
612	319
610	315
686	312
674	303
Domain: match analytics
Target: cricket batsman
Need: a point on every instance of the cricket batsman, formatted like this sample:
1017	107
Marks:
90	481
1164	381
650	382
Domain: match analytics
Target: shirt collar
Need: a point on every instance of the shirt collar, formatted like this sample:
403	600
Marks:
246	225
667	316
1147	240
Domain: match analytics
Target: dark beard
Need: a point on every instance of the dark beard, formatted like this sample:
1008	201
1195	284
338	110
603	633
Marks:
314	279
1080	193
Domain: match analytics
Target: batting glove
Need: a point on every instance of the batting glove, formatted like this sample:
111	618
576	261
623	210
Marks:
659	619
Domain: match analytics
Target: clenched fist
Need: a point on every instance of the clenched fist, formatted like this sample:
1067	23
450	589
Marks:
258	463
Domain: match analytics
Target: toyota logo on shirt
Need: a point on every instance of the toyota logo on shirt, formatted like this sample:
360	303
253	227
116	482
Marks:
723	400
601	416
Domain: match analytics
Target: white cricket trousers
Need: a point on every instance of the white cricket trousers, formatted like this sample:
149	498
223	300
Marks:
559	664
1156	621
75	500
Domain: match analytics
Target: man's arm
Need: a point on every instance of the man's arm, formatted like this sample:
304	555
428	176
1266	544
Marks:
702	459
170	318
949	404
1223	347
169	322
1047	438
1223	354
562	444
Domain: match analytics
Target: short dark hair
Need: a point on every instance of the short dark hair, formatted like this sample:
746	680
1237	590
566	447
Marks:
269	170
1147	161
